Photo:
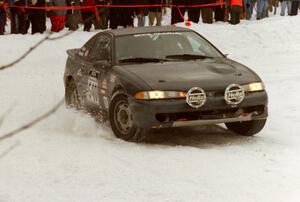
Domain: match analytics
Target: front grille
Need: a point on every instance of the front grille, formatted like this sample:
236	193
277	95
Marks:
209	114
215	93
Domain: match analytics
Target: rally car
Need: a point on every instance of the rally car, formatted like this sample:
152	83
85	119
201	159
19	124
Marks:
155	77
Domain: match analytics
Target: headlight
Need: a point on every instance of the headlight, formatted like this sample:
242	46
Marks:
252	87
151	95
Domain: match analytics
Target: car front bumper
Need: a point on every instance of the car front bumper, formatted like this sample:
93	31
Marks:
148	113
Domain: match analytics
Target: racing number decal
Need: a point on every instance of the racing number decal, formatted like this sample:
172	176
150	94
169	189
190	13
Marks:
92	91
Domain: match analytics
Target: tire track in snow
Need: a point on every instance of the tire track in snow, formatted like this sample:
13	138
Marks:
32	48
6	113
33	122
12	147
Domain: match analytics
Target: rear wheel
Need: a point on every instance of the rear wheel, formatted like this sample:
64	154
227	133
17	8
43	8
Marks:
246	128
71	96
120	117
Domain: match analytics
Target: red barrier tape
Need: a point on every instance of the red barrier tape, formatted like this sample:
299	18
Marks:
4	6
48	8
114	6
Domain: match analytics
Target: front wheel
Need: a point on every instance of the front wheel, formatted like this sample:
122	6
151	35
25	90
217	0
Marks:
120	117
247	128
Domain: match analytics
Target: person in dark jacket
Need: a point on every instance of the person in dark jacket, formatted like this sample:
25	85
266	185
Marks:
37	17
178	13
73	16
101	22
220	12
88	14
128	13
295	7
121	16
155	13
249	4
18	17
194	12
207	12
115	15
57	17
97	16
2	17
141	12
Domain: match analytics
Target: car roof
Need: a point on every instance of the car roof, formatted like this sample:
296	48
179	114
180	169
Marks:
144	30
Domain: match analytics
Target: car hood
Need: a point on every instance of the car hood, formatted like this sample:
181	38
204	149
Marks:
209	74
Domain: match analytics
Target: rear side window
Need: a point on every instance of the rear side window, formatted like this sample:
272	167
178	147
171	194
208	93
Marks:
101	49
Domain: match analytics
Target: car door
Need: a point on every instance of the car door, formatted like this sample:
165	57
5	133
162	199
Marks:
97	63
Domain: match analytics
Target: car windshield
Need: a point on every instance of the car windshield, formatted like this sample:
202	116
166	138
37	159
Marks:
163	46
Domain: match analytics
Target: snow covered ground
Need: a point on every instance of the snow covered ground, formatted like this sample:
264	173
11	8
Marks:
68	157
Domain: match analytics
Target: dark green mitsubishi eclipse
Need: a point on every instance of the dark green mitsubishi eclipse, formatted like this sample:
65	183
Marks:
156	77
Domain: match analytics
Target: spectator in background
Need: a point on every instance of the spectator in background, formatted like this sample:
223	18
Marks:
235	11
128	13
2	17
57	17
115	15
220	12
18	17
286	4
73	16
102	21
155	12
141	12
178	13
295	7
273	3
249	4
194	12
88	14
37	17
262	9
207	12
121	16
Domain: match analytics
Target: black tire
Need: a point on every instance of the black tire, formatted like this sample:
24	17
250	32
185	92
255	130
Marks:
247	128
72	99
120	119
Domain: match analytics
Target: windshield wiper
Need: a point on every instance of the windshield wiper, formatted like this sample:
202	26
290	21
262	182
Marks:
187	56
142	60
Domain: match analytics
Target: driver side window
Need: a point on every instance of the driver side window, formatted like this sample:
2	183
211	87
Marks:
100	50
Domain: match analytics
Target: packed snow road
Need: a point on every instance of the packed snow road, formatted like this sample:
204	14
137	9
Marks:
68	157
